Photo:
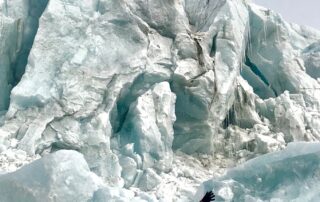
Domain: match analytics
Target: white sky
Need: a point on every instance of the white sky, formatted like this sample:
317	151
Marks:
304	12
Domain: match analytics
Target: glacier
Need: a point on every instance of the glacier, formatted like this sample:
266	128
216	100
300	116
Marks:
151	98
288	175
62	176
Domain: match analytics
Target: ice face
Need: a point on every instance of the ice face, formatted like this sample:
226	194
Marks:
8	37
61	176
136	85
17	38
311	57
149	126
288	175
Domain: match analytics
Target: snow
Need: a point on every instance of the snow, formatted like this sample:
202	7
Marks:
158	96
13	159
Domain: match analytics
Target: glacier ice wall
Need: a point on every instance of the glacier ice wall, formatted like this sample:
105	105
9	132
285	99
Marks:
132	84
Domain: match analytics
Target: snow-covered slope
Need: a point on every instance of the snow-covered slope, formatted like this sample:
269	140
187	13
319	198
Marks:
157	95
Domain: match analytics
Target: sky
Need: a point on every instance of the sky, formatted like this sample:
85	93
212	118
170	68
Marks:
303	12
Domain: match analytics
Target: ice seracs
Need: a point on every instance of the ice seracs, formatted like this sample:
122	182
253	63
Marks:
140	87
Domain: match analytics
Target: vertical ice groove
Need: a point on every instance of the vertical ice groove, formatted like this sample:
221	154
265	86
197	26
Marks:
6	7
30	28
25	22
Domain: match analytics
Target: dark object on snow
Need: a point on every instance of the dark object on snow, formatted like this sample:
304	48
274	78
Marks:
208	197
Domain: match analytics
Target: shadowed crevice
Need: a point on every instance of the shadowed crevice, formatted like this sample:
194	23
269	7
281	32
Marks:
30	27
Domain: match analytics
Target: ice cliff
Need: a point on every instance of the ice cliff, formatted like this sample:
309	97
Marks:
153	97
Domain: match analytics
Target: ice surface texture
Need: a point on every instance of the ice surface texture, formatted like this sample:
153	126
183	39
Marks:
289	175
130	84
62	176
19	25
